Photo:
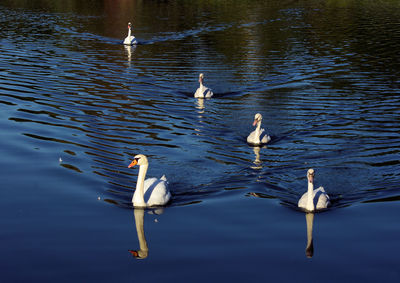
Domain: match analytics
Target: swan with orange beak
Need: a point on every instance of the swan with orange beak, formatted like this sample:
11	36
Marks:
149	192
258	136
130	39
313	200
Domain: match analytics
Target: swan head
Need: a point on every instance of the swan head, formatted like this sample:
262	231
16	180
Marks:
257	119
201	78
139	159
310	175
129	25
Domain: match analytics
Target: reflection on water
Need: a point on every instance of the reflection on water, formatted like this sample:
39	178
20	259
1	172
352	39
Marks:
130	49
257	162
310	245
200	109
200	105
143	251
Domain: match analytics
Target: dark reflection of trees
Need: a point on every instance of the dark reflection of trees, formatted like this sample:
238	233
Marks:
254	33
361	34
73	6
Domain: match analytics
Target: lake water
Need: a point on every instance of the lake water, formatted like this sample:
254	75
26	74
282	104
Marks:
77	105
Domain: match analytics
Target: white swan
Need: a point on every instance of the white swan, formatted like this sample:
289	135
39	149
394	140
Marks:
258	136
313	199
203	91
150	192
130	39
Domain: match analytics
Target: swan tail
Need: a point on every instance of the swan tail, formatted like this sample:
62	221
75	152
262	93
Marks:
163	178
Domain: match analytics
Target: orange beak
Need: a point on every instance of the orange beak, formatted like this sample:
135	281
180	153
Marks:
133	163
255	122
134	253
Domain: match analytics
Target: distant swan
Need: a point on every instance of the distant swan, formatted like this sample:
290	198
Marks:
130	39
203	91
150	192
258	136
313	199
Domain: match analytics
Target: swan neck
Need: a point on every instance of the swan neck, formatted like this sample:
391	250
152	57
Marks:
258	128
129	32
138	196
310	200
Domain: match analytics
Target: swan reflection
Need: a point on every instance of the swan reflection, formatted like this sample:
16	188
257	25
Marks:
310	246
257	162
200	105
130	49
143	252
200	111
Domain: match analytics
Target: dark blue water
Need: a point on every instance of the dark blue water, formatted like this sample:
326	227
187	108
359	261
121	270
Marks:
77	105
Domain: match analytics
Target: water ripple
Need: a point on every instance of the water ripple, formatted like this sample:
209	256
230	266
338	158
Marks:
85	97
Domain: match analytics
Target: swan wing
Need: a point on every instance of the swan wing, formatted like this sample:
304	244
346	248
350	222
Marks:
133	40
320	189
322	198
130	40
264	137
208	92
156	191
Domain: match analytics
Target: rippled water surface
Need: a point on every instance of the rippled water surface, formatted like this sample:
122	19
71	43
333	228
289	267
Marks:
77	105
